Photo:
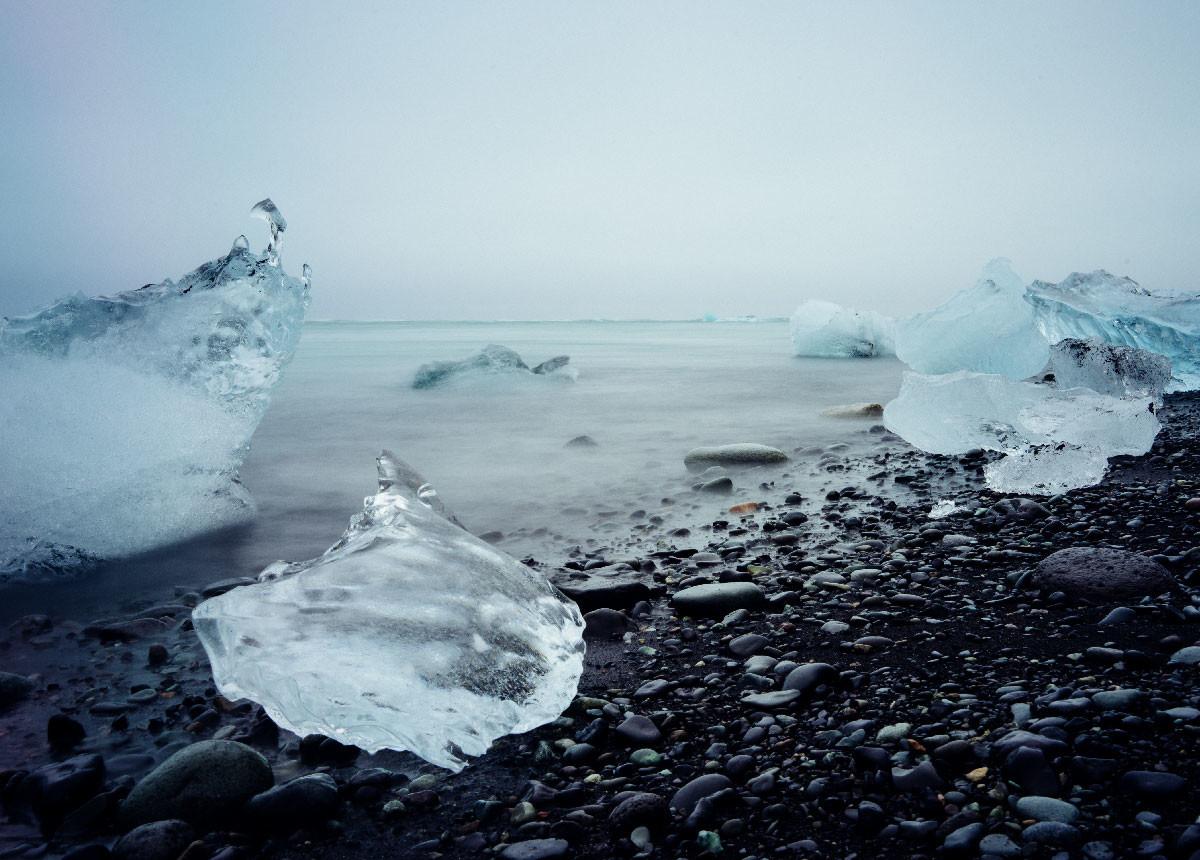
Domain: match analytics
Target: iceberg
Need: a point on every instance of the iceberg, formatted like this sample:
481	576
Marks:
988	328
1118	311
823	329
1053	438
409	633
125	418
492	360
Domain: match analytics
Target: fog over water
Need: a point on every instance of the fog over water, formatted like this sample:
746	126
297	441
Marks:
546	161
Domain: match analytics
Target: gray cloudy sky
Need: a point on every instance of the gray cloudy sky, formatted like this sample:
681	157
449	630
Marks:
645	159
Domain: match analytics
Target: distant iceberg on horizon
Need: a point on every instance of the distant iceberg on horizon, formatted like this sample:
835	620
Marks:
127	417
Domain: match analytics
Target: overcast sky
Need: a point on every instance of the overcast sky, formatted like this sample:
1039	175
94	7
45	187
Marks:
453	160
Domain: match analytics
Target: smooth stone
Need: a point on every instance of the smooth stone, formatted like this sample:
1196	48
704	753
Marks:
1188	656
998	845
718	486
716	599
203	784
773	699
605	623
638	809
1054	833
686	798
750	643
741	454
810	675
1117	700
637	729
1152	784
1047	809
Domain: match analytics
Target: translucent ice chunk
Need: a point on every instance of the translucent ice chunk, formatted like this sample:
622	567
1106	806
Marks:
267	211
409	633
1121	371
1054	438
989	328
1118	311
492	360
825	330
125	418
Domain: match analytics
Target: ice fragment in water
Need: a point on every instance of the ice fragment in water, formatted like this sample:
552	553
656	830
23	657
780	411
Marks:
1053	438
1118	311
409	633
825	330
306	274
267	211
125	418
490	362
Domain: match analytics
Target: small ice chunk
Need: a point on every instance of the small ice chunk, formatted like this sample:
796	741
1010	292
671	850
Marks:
266	210
409	633
988	328
491	361
1122	371
1054	438
823	329
943	508
1118	311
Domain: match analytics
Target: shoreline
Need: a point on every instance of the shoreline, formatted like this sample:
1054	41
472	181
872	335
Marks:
923	659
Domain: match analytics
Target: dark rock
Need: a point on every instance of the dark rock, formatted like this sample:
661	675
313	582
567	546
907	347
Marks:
637	810
158	840
305	802
750	643
614	587
639	731
1101	574
808	677
13	689
583	442
64	733
57	789
1152	784
686	798
717	599
203	784
606	623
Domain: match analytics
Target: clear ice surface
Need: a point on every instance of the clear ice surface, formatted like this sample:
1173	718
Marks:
491	361
1054	438
1118	311
266	210
1121	371
125	418
409	633
988	328
823	329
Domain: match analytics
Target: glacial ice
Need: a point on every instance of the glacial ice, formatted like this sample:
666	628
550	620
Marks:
1054	438
988	328
1120	371
126	418
492	360
409	633
1118	311
823	329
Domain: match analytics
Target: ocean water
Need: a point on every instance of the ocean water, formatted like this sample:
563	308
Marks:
495	445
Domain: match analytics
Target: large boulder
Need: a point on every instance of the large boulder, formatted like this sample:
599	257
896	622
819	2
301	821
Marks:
204	784
1101	574
718	598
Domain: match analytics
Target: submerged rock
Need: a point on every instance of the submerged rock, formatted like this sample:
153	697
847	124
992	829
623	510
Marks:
409	633
854	410
492	359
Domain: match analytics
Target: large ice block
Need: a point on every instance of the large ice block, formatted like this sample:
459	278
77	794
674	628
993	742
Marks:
988	328
1118	311
823	329
125	419
491	361
1054	439
409	633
